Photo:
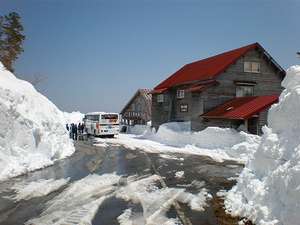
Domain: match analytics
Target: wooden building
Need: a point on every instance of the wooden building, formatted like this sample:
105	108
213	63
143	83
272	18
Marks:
138	109
233	89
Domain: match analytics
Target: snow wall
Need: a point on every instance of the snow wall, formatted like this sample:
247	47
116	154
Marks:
268	190
32	130
178	134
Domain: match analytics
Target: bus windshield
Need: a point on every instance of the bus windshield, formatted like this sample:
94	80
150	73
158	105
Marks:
109	117
92	117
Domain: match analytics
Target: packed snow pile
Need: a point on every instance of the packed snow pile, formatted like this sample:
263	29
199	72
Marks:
32	134
235	144
179	134
177	137
73	117
138	129
268	190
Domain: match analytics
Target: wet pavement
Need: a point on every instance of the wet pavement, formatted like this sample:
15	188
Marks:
199	172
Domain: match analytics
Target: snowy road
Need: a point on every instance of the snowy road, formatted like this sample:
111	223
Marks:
114	185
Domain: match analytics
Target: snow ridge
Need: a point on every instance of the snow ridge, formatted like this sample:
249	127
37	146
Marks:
268	190
32	132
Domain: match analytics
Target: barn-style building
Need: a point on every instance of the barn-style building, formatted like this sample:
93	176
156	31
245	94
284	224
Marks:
138	108
233	89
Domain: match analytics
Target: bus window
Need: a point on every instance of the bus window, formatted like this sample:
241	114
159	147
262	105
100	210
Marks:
109	117
93	117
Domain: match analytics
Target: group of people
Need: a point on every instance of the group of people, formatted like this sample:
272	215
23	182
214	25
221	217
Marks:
75	130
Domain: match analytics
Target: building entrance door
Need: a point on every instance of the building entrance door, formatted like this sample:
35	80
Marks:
253	125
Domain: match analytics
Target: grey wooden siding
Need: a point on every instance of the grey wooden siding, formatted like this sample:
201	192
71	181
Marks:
138	110
160	110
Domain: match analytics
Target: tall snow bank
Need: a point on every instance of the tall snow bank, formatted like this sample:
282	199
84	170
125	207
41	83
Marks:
236	144
73	117
32	134
268	190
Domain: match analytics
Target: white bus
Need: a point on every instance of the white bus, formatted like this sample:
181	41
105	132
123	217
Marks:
102	124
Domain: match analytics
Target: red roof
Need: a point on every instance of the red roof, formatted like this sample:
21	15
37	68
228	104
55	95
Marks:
201	87
207	68
158	91
241	107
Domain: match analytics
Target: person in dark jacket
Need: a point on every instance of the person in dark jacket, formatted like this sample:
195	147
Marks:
83	128
71	130
75	132
79	128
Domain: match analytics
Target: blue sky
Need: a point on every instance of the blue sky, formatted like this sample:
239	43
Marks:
95	54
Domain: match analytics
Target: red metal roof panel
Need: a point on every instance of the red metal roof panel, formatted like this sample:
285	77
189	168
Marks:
201	87
205	69
158	91
241	107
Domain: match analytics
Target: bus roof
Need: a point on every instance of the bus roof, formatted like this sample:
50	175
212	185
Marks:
100	113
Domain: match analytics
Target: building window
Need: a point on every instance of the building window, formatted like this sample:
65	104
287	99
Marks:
242	91
160	98
252	67
180	94
184	108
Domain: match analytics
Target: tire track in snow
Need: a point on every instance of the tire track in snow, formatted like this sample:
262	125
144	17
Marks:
79	202
185	220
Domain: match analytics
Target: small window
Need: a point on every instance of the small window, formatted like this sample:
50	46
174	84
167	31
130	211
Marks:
242	91
252	67
180	94
160	98
184	108
109	117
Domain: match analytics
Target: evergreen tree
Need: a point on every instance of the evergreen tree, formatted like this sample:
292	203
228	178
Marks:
11	39
1	37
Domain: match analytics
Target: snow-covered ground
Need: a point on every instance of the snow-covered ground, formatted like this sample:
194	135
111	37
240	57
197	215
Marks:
79	203
268	190
32	131
25	191
177	138
73	117
157	201
33	135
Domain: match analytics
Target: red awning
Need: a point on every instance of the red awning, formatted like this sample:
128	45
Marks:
158	91
241	108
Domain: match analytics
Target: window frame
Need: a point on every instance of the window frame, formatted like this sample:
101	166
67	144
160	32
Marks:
180	93
243	94
250	67
187	108
160	98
